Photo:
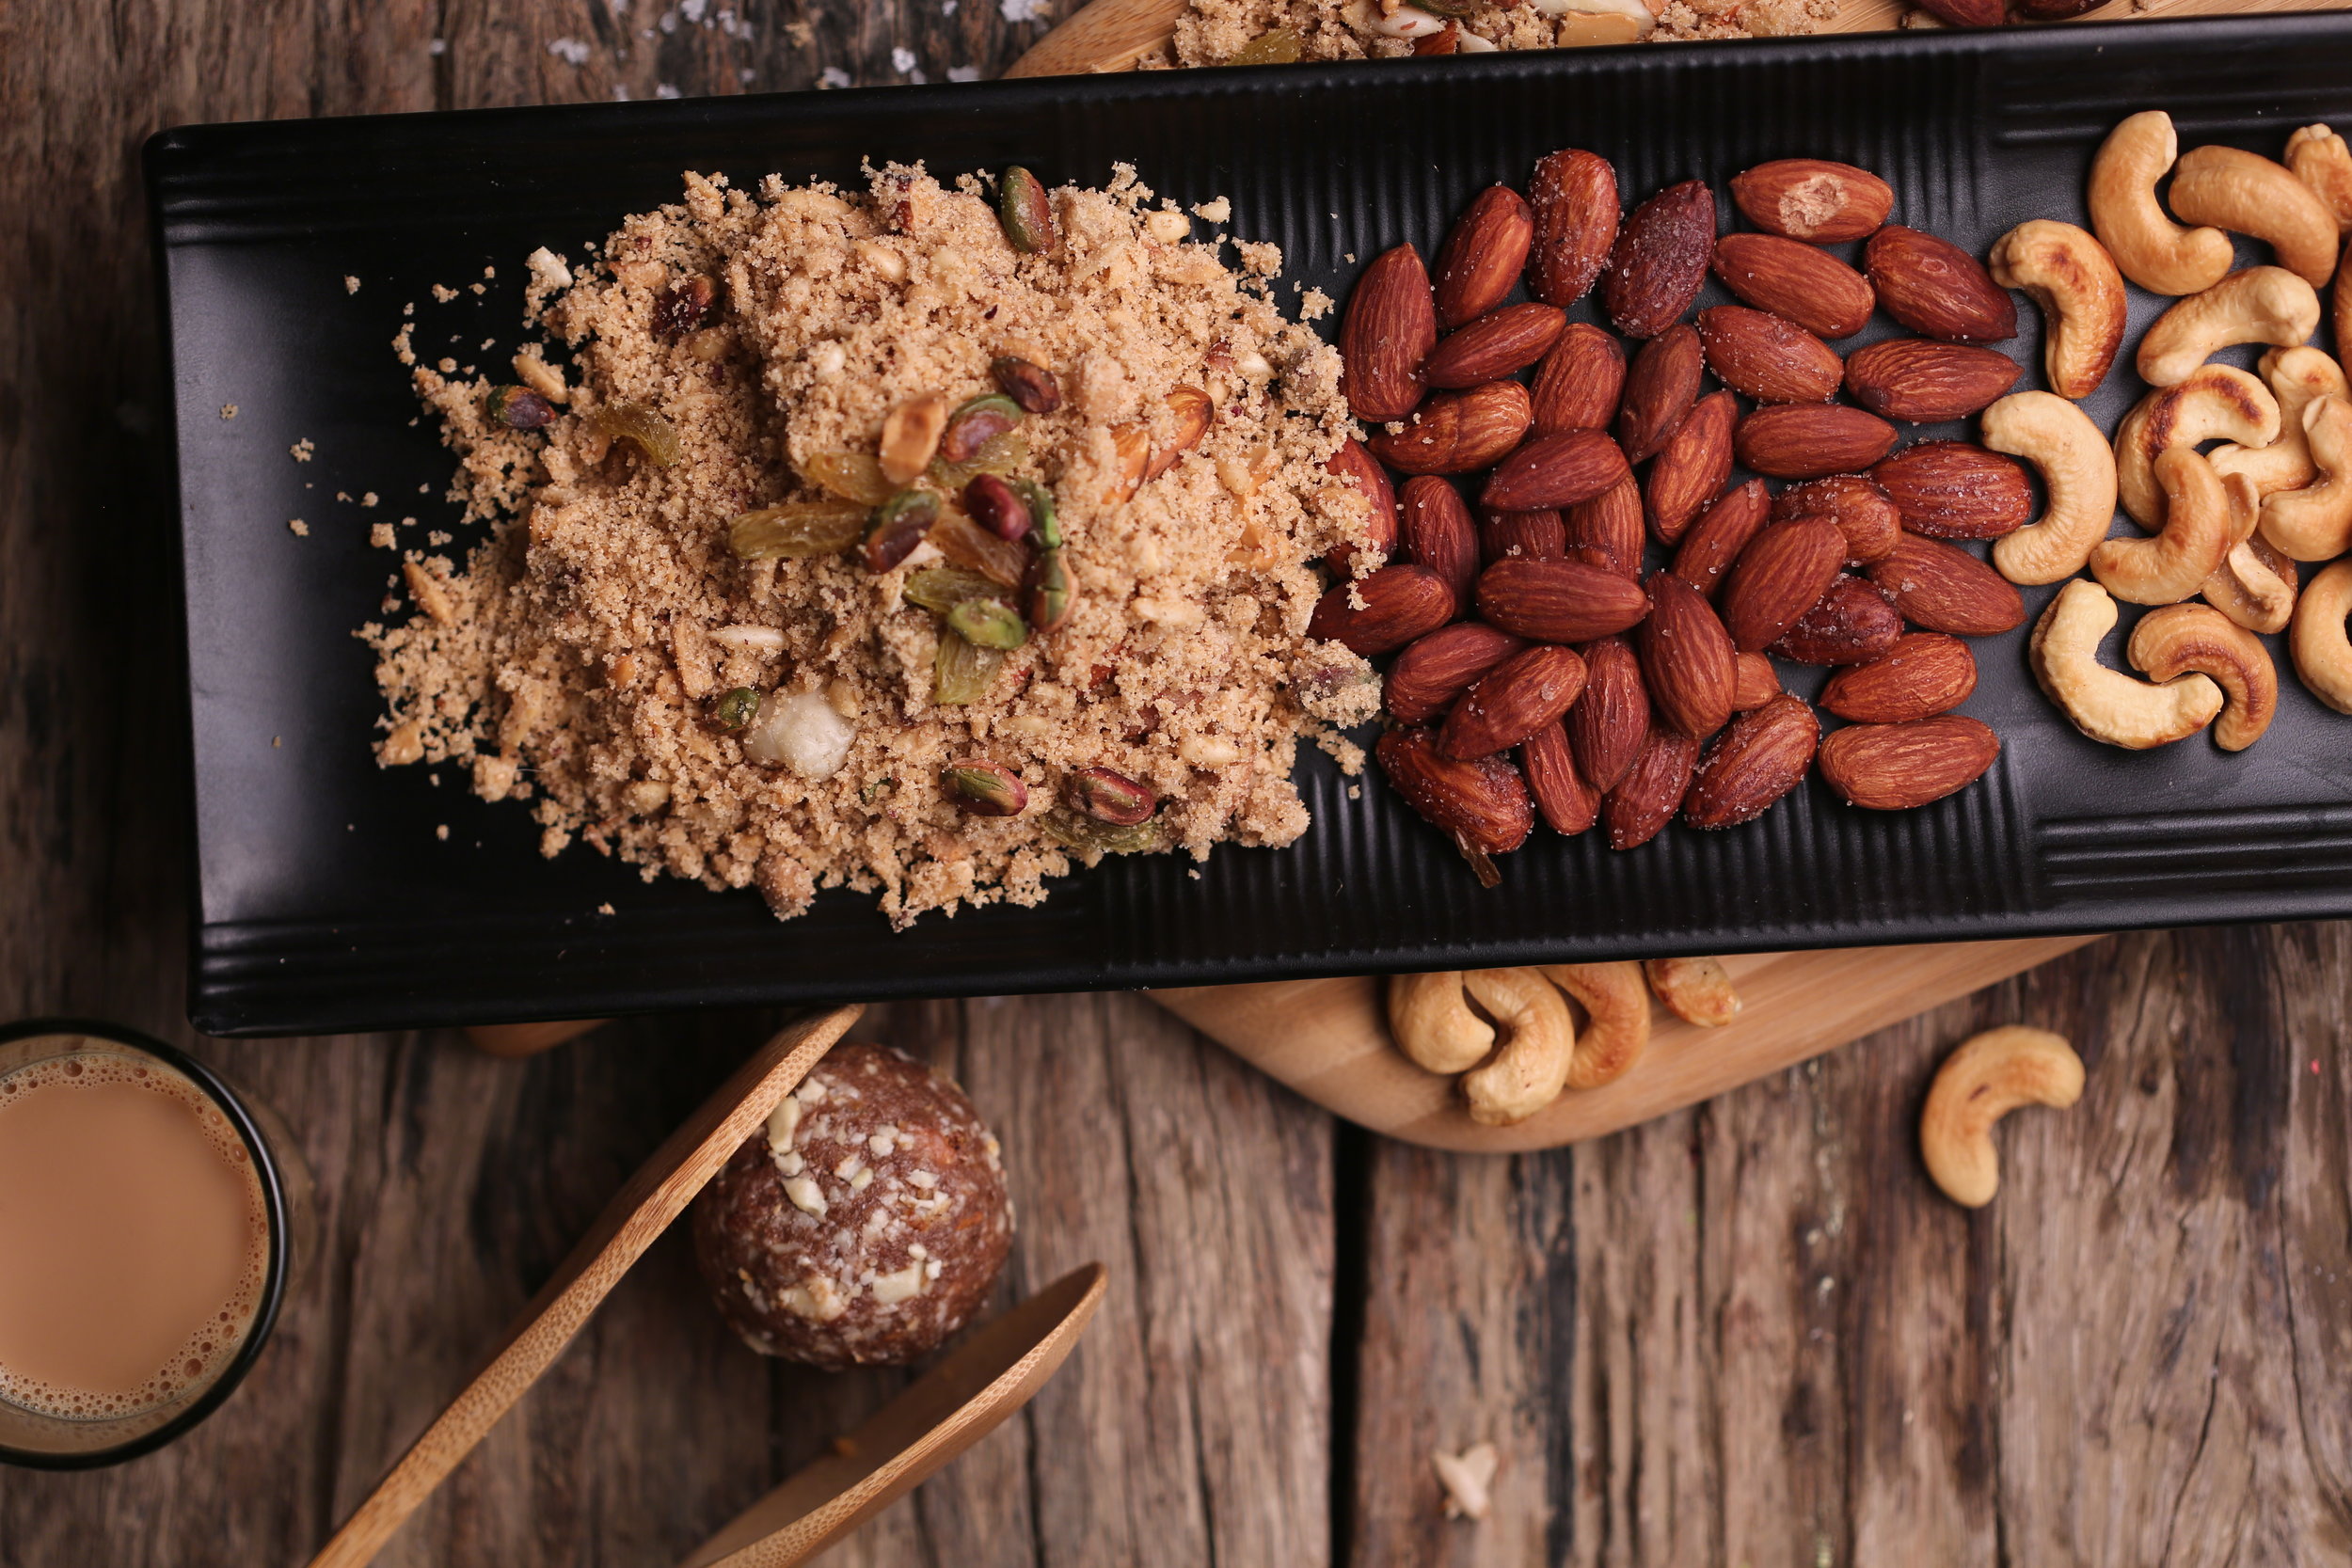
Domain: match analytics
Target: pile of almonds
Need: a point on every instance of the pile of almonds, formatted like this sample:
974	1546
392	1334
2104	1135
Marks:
1523	620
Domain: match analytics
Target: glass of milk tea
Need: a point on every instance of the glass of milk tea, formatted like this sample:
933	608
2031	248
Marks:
143	1242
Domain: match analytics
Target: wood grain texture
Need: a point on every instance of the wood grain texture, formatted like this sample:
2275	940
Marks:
967	1394
1750	1333
655	1194
2142	1344
1112	34
1329	1038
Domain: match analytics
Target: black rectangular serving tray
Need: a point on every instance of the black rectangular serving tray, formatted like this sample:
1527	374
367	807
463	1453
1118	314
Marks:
328	900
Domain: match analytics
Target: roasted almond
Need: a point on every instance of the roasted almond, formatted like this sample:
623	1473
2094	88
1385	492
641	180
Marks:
1942	587
1609	526
1780	576
1482	805
1458	433
1436	531
1390	327
1687	658
1537	535
1383	611
1357	467
1554	471
1434	669
1610	721
1849	623
1660	260
1499	343
1577	385
1646	799
1936	289
1806	441
1769	360
1923	675
1690	471
1512	701
1660	388
1710	545
1566	802
1812	199
1764	754
1790	279
1956	490
1557	601
1897	767
1482	257
1574	196
1756	683
1922	380
1860	508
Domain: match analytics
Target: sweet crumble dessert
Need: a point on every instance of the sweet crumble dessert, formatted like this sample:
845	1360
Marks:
1269	32
902	540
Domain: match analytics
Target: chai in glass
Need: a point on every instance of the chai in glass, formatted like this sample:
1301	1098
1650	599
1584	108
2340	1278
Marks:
134	1235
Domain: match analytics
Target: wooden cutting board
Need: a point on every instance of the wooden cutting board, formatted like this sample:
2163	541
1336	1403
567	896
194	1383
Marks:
1110	35
1328	1040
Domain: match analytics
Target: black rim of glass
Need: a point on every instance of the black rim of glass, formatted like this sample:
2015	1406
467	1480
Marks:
274	1278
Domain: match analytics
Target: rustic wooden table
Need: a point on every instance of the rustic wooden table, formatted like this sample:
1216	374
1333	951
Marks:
1749	1333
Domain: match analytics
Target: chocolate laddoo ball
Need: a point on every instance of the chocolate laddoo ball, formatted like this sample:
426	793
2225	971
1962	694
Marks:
864	1224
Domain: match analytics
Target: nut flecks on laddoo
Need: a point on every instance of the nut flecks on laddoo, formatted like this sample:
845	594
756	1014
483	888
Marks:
864	1224
757	480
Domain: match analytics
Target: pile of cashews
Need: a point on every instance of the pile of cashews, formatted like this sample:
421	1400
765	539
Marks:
2225	527
1510	1036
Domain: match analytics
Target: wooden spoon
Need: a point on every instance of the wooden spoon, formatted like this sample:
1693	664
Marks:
945	1412
639	1211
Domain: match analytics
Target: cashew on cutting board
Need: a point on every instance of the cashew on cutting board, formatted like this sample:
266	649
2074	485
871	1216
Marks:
1510	1035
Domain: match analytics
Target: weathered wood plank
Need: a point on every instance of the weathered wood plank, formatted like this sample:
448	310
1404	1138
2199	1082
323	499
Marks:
1787	1347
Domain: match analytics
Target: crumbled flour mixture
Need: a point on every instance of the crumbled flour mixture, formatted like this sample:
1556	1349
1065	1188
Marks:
599	653
1214	32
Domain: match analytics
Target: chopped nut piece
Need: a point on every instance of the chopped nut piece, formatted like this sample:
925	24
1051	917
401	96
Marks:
985	789
910	436
1026	210
1032	386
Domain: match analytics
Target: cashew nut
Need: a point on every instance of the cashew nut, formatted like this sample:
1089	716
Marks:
2153	251
2214	401
2260	305
2078	470
1695	990
2179	637
2296	375
2175	563
2072	279
1590	22
1527	1072
2107	704
1432	1023
2321	160
1616	1029
2315	522
2323	654
1989	1076
2255	586
2247	194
